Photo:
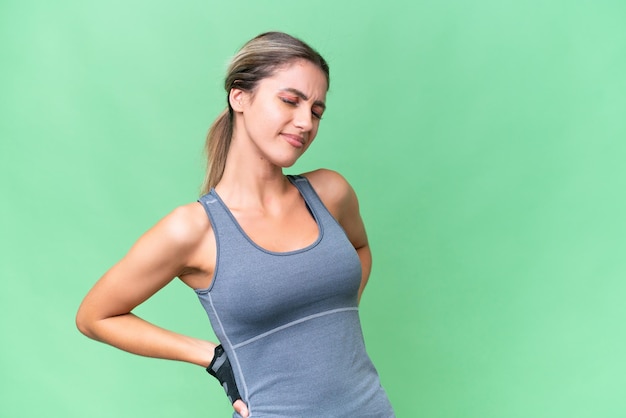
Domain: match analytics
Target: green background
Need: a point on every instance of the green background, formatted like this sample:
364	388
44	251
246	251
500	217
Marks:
486	142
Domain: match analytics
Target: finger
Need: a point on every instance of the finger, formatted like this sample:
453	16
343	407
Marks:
241	408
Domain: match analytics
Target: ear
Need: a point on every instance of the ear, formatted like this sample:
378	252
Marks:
237	99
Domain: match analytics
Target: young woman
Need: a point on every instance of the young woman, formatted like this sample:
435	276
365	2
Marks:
278	262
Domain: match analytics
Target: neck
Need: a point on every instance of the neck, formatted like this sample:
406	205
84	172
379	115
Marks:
249	180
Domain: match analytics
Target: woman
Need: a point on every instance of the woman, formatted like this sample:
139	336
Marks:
278	262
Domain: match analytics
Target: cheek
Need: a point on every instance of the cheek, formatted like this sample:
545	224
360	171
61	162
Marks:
314	131
264	121
272	117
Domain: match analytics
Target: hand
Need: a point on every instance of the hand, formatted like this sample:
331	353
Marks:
241	408
222	370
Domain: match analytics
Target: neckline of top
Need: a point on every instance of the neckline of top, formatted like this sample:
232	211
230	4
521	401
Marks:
320	230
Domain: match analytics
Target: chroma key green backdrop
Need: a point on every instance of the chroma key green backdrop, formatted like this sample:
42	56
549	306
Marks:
485	139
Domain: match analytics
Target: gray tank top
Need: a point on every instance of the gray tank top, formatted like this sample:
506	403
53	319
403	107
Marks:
289	321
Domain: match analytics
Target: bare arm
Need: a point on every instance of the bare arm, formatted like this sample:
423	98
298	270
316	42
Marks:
155	259
164	252
341	200
351	221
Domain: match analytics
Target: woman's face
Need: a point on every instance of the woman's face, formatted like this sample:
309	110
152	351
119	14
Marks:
281	117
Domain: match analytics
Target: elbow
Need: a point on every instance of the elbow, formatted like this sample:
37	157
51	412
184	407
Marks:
84	324
81	324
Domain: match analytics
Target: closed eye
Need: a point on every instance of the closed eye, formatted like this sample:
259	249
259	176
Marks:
295	101
317	111
289	101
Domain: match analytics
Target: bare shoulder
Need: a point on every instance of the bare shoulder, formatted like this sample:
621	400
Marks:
334	190
185	226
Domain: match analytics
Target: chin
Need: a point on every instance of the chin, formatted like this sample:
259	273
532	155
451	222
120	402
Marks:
285	161
287	164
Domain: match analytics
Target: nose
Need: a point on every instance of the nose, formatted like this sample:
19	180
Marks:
303	119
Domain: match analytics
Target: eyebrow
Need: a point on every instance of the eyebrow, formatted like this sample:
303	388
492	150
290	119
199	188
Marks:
304	96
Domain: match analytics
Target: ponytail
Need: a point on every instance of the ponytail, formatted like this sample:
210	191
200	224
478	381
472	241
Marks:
216	148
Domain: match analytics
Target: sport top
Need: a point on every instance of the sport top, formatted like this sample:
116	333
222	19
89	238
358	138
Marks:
289	321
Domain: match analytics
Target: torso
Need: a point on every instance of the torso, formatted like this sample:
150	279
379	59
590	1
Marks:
290	228
289	319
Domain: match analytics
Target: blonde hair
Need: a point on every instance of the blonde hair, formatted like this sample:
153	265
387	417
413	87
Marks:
259	58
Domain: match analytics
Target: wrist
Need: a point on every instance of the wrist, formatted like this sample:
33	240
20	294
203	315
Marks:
202	353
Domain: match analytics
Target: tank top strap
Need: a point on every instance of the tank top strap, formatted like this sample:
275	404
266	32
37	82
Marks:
312	200
222	221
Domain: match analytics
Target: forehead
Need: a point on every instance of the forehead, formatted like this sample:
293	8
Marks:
301	75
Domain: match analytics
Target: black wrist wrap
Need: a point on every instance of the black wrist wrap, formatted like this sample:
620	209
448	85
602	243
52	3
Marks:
222	370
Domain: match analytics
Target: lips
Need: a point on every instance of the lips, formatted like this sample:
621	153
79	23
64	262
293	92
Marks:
294	139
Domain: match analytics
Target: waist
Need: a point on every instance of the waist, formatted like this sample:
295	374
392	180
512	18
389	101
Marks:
305	370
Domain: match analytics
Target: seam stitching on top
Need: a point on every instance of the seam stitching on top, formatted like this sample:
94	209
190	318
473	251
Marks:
235	359
292	323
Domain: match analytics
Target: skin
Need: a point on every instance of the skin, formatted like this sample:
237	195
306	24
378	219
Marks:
273	126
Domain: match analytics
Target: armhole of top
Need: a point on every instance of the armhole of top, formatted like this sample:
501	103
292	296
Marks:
204	201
